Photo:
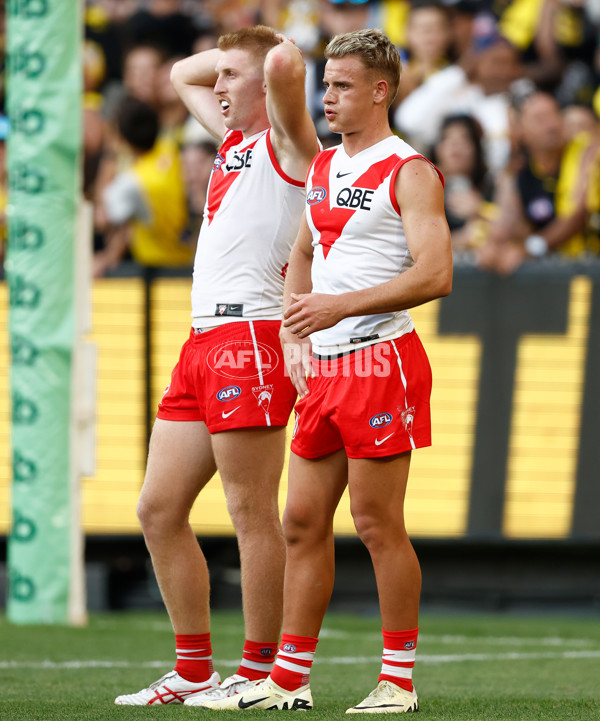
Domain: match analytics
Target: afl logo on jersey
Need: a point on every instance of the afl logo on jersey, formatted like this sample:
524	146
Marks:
218	160
229	393
381	420
316	195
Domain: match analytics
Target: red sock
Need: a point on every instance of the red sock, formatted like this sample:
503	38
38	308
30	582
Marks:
257	660
294	660
194	656
399	649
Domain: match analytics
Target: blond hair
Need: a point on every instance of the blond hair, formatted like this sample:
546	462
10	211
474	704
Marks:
376	52
257	41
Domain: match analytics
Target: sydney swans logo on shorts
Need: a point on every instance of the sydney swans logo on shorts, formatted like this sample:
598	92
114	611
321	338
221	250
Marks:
263	395
316	195
408	418
381	420
242	359
229	393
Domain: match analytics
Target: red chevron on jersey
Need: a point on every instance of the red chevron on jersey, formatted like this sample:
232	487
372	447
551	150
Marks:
221	181
330	222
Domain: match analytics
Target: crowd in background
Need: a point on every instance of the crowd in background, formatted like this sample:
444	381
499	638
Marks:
502	95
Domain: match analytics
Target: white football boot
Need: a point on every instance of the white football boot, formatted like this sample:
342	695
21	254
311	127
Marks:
264	695
387	698
231	686
171	688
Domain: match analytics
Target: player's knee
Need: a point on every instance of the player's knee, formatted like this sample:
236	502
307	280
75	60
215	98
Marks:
147	516
248	518
371	531
300	524
156	519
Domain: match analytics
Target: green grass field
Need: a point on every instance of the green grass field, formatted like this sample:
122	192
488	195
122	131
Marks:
468	668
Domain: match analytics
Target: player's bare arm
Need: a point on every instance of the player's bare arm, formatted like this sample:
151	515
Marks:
296	352
194	79
294	137
420	196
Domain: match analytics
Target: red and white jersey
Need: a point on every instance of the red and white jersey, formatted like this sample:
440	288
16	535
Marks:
251	220
358	237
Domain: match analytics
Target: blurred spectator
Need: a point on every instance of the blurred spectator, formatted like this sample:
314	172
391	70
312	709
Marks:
161	22
547	205
558	39
230	15
468	188
579	119
205	40
144	207
394	19
103	26
141	68
141	73
344	16
172	113
197	161
479	88
298	19
94	73
428	40
463	17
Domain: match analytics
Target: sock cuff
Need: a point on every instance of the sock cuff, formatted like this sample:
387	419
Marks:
400	640
260	647
294	644
193	639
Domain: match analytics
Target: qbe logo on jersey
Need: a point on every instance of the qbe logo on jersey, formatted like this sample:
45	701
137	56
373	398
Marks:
316	195
381	420
229	393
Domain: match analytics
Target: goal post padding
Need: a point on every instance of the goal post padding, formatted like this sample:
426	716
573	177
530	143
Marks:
44	39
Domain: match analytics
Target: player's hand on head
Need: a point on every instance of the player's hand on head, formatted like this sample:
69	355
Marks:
285	39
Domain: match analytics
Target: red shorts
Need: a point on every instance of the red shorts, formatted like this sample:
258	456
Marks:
373	402
231	377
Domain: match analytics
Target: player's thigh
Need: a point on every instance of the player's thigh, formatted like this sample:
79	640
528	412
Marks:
377	488
315	486
250	462
180	464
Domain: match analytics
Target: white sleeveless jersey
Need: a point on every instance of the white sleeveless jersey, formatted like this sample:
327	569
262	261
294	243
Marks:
251	220
358	237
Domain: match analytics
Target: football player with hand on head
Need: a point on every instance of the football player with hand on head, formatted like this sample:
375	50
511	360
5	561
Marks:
229	399
374	242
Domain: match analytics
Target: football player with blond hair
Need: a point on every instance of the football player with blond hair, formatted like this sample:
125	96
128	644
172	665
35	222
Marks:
373	243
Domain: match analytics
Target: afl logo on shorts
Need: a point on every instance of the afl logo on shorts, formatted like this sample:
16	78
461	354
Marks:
241	360
316	195
381	420
229	393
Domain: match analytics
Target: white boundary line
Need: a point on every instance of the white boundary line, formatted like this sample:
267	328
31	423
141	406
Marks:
338	660
446	639
452	639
